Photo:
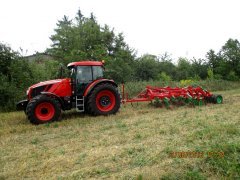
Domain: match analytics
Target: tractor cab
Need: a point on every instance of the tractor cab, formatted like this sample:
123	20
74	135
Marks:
83	74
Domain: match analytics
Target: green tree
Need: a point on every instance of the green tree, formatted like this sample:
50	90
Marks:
217	64
232	76
184	69
226	63
62	39
166	65
7	56
199	68
15	76
147	67
231	55
84	39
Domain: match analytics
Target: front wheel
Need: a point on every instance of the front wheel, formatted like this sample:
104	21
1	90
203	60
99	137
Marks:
42	109
103	100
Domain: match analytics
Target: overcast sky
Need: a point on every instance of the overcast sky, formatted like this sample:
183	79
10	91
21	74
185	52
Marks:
184	28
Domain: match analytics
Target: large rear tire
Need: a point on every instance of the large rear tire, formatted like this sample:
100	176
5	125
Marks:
103	100
42	109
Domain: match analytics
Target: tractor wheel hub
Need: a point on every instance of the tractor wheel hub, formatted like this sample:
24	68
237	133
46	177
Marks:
44	110
105	101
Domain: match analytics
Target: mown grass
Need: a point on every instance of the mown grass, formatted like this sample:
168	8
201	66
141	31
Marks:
133	144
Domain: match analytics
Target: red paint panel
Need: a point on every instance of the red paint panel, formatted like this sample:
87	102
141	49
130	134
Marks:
86	63
62	88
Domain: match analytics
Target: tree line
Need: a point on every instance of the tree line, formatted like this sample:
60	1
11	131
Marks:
83	38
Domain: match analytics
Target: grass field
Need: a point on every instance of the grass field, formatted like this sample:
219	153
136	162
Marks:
141	142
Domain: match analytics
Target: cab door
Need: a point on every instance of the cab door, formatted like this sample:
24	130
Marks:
84	77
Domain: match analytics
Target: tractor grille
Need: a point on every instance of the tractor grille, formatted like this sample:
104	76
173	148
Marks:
36	91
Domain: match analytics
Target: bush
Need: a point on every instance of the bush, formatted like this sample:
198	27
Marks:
210	74
186	82
17	74
232	76
164	77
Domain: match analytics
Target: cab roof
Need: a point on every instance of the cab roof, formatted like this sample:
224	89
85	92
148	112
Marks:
85	63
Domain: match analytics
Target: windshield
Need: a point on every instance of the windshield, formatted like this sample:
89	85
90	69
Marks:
89	73
85	73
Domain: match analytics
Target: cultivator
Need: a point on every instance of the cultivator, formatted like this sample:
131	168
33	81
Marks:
174	96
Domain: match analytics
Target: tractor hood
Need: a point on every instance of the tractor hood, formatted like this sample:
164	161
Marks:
43	83
59	87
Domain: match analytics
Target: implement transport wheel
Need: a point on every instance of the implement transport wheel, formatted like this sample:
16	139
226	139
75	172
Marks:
217	99
103	100
42	109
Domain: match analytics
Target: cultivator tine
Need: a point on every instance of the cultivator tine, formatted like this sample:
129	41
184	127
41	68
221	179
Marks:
180	101
166	102
200	102
188	100
173	100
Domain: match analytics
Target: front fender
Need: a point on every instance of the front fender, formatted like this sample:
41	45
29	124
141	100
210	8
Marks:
21	105
55	96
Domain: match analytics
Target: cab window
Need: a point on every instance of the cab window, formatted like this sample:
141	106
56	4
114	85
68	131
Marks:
97	72
84	73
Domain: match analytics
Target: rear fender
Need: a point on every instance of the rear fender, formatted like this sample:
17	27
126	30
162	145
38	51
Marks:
97	82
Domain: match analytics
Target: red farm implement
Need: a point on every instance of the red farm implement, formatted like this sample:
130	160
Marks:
177	96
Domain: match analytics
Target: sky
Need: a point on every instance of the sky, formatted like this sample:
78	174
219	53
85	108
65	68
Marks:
183	28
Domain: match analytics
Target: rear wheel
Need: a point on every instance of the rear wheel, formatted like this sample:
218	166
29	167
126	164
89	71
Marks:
42	109
217	99
103	100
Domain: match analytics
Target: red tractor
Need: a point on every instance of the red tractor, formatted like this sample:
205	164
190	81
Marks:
86	90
